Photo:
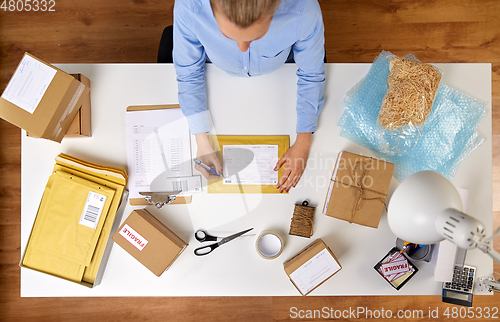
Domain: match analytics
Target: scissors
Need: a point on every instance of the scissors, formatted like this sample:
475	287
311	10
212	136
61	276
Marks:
202	236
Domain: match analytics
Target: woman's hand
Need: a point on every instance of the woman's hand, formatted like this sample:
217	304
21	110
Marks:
295	160
206	155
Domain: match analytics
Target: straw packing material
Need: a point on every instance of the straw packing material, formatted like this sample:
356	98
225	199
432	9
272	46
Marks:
412	88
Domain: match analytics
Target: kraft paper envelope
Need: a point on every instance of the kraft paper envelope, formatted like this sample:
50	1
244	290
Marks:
49	263
217	143
59	229
42	260
112	177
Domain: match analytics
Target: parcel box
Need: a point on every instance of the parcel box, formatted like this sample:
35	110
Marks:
149	241
41	99
311	267
81	125
358	189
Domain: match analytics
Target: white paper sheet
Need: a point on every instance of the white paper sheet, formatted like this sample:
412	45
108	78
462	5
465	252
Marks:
250	164
28	84
158	148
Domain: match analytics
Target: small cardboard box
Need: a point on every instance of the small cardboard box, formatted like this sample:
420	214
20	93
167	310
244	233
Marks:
41	99
358	189
81	125
149	241
311	267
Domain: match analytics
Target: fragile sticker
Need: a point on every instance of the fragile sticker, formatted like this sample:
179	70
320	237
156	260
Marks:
133	237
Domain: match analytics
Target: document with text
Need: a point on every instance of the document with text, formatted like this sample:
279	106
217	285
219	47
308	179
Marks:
250	164
158	148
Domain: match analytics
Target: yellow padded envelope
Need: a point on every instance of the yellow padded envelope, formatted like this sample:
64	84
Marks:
112	177
68	225
217	143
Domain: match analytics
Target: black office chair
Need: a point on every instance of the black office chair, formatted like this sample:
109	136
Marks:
167	46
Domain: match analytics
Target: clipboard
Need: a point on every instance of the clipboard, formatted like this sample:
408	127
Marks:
218	141
142	201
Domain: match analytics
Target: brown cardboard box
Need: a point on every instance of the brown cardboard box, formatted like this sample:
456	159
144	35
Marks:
149	241
41	99
358	189
81	125
315	260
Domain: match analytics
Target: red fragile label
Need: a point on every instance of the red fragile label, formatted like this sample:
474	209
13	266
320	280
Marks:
395	267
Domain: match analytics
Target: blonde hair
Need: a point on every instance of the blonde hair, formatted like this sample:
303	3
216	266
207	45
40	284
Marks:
243	13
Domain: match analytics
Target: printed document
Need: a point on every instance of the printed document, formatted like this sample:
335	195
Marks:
250	164
158	147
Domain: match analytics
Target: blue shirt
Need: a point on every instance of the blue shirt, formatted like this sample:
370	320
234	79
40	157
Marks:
296	25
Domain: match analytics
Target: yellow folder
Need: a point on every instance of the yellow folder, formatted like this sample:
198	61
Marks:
218	141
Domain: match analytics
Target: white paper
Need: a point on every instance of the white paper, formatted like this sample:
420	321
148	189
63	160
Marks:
29	83
92	210
250	164
315	271
158	148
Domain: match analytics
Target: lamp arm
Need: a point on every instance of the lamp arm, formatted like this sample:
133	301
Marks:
495	234
485	247
489	284
495	255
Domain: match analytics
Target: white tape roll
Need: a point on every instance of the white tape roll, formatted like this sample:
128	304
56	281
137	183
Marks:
269	245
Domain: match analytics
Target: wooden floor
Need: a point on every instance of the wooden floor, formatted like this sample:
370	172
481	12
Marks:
117	31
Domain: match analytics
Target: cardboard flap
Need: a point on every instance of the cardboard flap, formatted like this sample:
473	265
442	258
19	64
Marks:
151	107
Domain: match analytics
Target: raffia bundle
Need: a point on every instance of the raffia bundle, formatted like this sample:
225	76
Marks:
412	88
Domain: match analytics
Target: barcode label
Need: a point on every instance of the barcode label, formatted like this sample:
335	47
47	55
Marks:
180	185
92	210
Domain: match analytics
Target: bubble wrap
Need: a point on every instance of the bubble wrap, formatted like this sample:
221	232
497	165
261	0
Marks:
448	135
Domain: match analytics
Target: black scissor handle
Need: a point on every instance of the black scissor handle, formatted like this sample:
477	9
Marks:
205	250
202	236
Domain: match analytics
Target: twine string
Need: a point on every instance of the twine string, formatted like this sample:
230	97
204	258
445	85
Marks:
358	181
302	222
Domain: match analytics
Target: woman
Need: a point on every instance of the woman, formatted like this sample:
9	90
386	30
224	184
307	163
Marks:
248	38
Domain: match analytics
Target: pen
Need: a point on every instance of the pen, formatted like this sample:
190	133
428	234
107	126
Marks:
204	166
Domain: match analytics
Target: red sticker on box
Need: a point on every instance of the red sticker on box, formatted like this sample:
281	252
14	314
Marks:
133	237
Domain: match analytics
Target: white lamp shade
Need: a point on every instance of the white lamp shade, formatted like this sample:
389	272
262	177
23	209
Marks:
416	204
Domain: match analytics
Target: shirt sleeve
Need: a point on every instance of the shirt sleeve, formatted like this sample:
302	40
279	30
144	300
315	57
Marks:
189	60
309	52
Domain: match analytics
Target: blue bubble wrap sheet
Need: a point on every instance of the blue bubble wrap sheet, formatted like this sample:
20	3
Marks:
448	136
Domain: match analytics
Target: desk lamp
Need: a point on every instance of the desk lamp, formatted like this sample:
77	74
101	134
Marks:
426	208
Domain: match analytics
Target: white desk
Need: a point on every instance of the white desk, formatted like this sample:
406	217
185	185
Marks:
262	105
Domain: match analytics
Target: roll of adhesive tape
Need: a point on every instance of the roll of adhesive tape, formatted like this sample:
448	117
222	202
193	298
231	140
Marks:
269	245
